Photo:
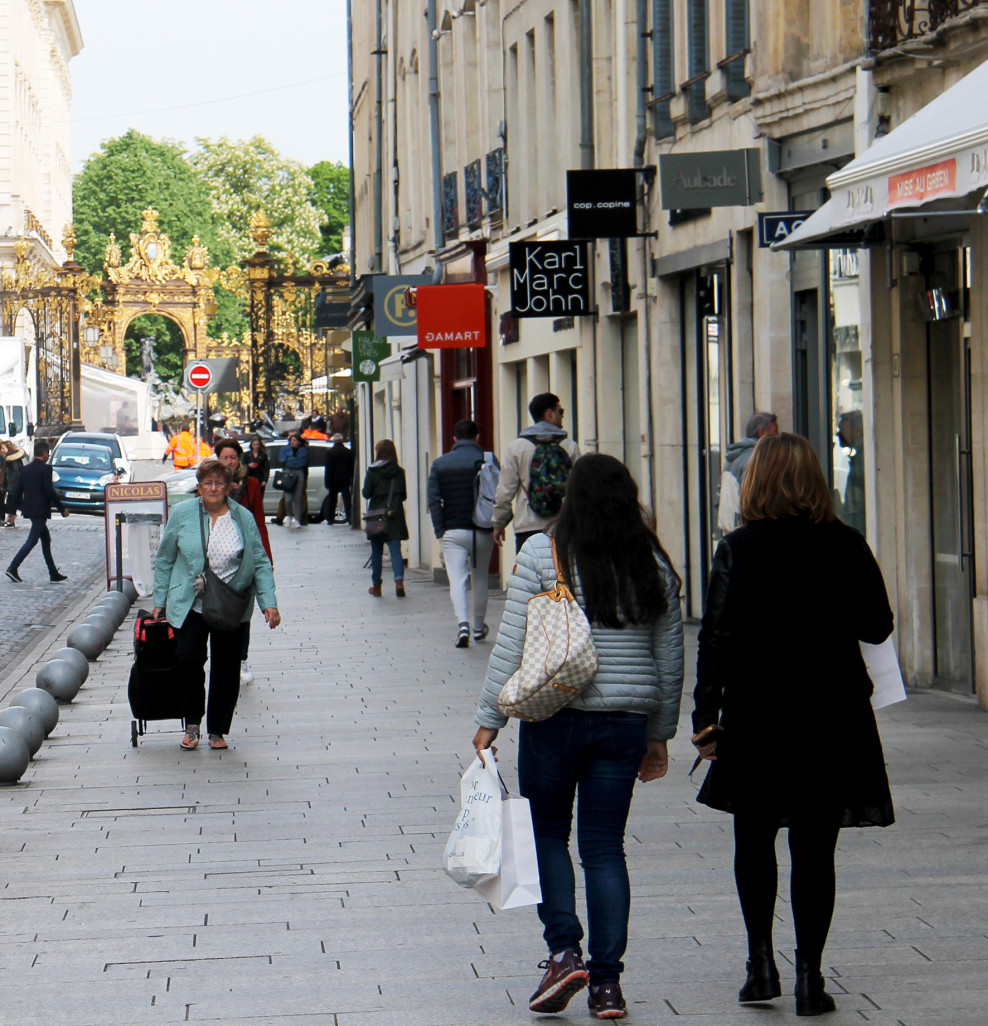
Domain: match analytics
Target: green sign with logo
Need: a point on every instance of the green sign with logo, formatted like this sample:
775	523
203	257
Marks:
368	352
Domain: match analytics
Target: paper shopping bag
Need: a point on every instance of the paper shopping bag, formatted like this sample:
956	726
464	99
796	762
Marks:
473	851
883	668
518	882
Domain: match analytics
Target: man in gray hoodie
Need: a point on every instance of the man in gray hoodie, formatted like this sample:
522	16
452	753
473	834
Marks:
516	468
736	463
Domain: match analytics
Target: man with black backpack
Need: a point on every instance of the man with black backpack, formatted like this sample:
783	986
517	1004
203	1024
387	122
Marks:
533	476
461	495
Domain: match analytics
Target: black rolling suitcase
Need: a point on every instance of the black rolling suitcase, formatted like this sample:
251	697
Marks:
153	691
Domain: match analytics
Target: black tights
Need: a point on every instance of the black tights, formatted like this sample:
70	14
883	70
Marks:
812	885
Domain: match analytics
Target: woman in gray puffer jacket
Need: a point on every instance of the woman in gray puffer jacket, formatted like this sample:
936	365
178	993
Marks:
614	732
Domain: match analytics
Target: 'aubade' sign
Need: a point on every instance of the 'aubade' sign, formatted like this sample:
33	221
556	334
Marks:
549	279
716	178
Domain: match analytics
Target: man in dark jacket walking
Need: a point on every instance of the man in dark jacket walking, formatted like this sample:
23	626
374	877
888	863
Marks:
36	495
466	547
339	477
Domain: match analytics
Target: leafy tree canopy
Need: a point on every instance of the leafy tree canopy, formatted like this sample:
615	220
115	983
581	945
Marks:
243	177
126	176
331	181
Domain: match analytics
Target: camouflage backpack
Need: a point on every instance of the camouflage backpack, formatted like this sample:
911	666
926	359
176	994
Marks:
550	469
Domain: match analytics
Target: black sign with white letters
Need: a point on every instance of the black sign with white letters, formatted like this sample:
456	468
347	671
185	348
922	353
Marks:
549	279
778	227
602	204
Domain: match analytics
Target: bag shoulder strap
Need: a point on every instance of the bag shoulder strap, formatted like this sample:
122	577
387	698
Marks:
560	576
202	535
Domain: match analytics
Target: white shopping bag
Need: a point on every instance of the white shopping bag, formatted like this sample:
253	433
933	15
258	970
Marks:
883	668
517	884
473	851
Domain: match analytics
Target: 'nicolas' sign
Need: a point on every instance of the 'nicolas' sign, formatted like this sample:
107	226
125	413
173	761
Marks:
549	279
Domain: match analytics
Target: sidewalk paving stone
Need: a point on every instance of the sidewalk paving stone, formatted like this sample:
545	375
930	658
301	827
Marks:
294	880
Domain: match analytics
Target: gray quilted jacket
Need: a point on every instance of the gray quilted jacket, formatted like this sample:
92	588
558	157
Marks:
641	665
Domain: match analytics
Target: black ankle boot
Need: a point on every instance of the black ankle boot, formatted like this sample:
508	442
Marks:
762	980
811	998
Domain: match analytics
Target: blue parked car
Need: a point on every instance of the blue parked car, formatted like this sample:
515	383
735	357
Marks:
80	473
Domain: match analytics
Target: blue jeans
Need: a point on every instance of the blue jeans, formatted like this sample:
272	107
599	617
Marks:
38	532
592	758
377	559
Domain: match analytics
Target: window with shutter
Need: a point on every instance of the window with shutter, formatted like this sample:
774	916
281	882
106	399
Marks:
663	71
699	66
738	41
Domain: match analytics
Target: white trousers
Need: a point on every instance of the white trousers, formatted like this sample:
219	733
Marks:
466	562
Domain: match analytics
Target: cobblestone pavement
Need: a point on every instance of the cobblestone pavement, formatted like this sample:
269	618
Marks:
294	880
78	545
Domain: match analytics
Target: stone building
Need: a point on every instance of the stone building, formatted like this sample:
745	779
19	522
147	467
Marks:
38	38
704	316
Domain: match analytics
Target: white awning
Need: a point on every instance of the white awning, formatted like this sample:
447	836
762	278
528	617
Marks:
940	153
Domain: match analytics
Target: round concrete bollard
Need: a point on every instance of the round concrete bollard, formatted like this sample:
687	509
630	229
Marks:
42	704
104	624
87	639
14	756
26	723
75	658
118	600
128	589
60	679
111	612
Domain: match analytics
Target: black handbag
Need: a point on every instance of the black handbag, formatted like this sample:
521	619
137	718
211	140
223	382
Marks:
286	480
223	606
376	520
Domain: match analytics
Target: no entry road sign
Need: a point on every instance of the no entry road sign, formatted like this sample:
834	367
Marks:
199	375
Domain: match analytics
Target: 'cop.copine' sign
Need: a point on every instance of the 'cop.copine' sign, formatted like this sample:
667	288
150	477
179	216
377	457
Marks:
602	204
549	279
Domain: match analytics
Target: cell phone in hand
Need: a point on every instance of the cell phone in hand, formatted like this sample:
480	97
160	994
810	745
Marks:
708	734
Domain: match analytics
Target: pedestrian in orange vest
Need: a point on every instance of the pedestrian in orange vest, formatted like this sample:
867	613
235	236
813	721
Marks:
182	449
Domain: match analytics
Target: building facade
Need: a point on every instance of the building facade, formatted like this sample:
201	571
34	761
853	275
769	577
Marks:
464	128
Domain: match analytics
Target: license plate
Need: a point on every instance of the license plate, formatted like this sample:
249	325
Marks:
77	495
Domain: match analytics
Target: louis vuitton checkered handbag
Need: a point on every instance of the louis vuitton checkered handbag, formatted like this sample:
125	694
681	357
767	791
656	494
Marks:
558	659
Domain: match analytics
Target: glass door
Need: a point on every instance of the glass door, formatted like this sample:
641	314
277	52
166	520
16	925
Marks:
951	486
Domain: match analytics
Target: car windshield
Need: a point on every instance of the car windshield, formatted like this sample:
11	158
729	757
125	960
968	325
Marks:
83	456
109	442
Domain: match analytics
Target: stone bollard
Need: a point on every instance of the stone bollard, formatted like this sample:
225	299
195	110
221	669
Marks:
104	625
117	600
88	640
14	756
74	658
42	704
60	679
26	723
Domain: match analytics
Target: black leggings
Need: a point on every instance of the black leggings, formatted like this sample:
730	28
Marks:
812	885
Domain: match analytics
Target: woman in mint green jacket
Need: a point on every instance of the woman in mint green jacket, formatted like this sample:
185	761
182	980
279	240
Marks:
236	554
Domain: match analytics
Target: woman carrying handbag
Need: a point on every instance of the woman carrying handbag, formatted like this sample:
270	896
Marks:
614	731
792	593
385	490
209	539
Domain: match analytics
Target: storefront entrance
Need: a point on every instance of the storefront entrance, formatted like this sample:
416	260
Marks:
951	486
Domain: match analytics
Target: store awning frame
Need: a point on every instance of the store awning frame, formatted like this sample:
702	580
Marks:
934	159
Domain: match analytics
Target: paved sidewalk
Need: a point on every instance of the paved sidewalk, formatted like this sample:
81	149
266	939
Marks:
294	880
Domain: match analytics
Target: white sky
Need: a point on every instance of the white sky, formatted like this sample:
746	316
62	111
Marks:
178	69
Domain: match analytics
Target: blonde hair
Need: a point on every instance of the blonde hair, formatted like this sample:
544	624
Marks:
784	478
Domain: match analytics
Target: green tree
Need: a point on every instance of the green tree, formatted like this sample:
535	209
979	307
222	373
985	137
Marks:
125	177
243	177
332	196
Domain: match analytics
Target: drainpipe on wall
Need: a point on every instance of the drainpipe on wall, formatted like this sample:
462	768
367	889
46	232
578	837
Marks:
437	160
586	164
378	142
349	98
641	19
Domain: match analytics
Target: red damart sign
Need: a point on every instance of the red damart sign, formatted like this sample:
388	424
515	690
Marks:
922	184
451	316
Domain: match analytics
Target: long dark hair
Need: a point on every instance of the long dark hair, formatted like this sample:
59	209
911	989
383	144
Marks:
602	534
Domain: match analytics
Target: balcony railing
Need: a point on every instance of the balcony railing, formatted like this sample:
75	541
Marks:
895	21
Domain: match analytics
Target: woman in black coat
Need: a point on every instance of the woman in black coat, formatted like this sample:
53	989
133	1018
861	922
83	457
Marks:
384	488
792	593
